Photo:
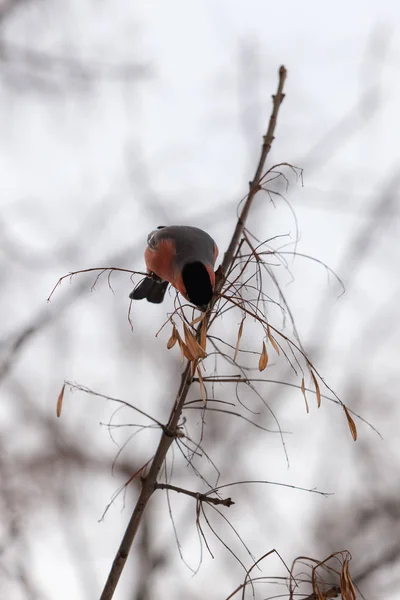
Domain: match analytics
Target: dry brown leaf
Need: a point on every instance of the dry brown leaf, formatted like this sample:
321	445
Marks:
185	352
203	335
273	341
303	389
181	349
193	367
353	589
262	363
202	387
60	401
196	320
346	585
194	347
317	390
239	337
352	425
173	339
179	340
343	586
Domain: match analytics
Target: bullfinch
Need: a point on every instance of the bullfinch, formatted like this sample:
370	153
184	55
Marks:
182	256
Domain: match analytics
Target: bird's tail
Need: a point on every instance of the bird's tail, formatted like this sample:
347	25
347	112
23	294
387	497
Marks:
151	289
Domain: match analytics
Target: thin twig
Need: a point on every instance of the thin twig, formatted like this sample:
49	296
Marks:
196	495
101	269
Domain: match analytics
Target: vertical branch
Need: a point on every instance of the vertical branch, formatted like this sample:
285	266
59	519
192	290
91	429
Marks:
277	100
170	430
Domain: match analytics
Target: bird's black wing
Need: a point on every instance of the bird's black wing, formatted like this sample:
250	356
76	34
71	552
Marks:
151	289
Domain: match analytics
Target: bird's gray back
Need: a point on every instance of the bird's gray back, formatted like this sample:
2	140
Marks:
192	244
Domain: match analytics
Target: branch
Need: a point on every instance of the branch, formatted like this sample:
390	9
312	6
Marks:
72	67
170	431
148	487
277	100
196	495
101	271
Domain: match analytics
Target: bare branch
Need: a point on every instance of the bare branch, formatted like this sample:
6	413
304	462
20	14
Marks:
199	497
101	271
255	184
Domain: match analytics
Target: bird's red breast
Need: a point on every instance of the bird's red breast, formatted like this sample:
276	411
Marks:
161	260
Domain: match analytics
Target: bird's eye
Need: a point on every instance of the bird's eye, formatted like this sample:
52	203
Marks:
151	242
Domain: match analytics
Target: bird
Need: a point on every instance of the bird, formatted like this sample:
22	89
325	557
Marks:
182	256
